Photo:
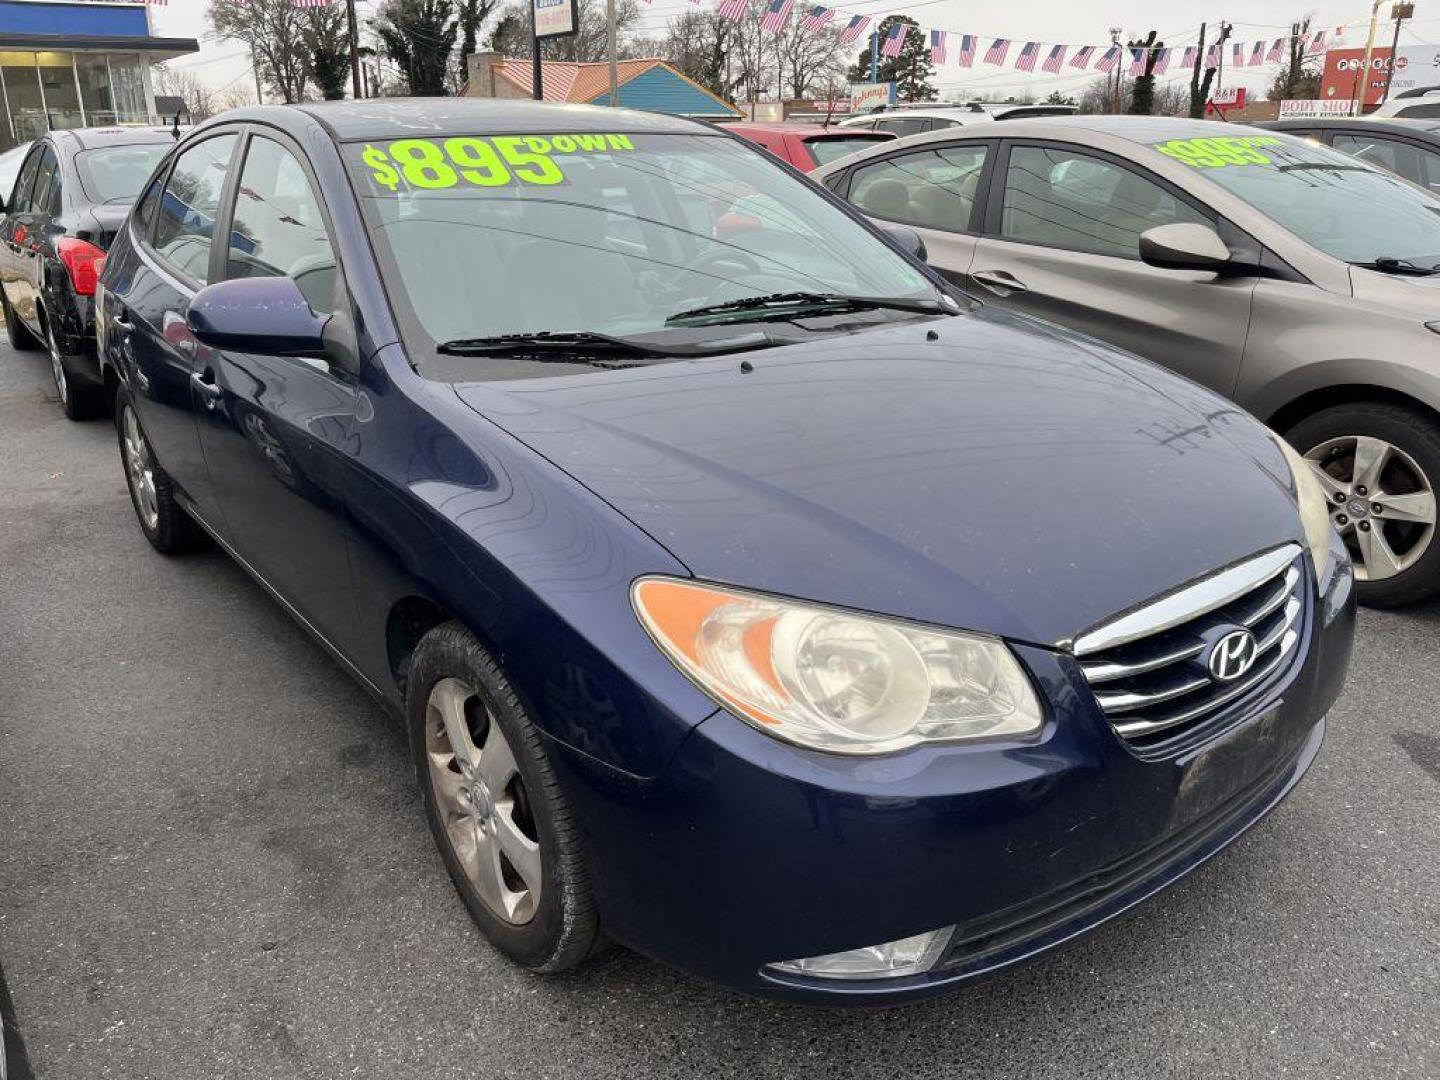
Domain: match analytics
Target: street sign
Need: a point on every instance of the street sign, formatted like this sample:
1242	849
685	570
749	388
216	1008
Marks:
1232	97
1310	108
554	18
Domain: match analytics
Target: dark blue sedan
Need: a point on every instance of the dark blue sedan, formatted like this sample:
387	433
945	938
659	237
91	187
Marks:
747	594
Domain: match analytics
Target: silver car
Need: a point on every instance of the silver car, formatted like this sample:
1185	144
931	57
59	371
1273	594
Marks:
1301	282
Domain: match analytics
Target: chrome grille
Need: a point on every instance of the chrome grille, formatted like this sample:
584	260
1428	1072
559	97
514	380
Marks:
1149	668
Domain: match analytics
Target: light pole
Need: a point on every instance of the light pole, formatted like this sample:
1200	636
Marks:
1398	12
1362	78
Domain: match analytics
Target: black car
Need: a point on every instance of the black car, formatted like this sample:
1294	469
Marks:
71	195
1408	148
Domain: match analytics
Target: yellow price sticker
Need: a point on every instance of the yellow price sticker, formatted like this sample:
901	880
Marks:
491	161
1220	151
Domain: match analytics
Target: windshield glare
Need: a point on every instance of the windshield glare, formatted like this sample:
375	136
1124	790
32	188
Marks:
490	235
1332	201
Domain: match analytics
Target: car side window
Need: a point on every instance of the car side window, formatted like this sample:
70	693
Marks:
1062	199
1414	163
903	125
189	205
1420	112
25	182
934	189
277	229
46	176
144	215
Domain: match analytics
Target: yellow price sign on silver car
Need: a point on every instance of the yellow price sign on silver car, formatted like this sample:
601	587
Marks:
1220	151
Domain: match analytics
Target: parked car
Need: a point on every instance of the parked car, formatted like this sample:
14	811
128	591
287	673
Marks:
1408	148
1421	103
72	192
10	162
807	146
904	120
1295	280
745	593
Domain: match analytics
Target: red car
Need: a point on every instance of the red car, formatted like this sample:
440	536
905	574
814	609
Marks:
808	146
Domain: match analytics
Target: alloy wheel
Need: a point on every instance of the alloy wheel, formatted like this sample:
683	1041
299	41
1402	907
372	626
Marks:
57	366
481	799
1381	502
140	469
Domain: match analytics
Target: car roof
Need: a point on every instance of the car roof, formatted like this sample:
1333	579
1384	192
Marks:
1359	123
1141	130
379	118
802	130
89	138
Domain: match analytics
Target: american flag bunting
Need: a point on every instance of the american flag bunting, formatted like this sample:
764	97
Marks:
857	25
997	52
1237	55
1107	62
1317	43
966	55
1026	60
1277	52
1257	54
895	40
734	10
1162	61
1082	58
1054	59
777	14
937	46
1137	62
816	19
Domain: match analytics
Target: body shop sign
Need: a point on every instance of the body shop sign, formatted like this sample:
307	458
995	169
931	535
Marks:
554	18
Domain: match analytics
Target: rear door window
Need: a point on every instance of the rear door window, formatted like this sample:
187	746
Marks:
25	182
903	125
190	204
934	189
46	177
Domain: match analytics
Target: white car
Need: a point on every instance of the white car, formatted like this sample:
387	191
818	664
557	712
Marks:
1422	103
906	121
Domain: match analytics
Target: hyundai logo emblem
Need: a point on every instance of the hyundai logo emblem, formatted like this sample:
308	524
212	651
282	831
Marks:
1233	655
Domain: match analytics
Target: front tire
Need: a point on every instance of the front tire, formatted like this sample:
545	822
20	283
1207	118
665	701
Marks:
1380	464
495	807
164	522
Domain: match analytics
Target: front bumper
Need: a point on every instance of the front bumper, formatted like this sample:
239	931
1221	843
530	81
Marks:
747	851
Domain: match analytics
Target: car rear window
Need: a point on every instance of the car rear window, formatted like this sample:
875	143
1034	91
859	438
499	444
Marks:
827	150
117	173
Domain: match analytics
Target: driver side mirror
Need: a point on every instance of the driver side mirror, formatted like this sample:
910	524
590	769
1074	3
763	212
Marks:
267	315
907	240
1184	246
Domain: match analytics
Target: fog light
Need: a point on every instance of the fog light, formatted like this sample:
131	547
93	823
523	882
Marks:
892	960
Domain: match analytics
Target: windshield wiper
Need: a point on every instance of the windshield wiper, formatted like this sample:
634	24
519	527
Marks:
584	342
1388	264
1322	166
783	305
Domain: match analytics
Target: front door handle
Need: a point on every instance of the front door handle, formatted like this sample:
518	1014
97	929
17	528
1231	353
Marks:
999	282
204	384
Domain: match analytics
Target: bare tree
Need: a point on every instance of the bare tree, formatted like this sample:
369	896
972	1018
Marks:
809	60
588	45
1099	95
273	30
698	44
1300	77
188	87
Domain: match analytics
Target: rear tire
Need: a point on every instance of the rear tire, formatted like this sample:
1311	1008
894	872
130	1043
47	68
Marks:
21	340
1376	454
78	401
162	519
493	802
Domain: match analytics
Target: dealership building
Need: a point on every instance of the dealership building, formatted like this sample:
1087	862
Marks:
77	63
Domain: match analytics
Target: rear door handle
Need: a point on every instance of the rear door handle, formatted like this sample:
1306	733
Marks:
204	384
121	324
999	282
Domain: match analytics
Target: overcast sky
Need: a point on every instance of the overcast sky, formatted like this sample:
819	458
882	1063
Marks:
223	63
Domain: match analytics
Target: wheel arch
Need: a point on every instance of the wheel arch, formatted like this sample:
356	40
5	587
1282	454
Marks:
1308	404
409	619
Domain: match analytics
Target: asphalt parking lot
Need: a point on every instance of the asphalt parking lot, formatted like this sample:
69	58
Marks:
213	864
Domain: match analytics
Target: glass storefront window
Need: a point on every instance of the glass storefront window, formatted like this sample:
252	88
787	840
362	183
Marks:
62	98
95	93
22	94
127	85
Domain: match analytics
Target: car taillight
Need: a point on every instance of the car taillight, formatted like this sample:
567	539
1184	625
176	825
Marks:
84	261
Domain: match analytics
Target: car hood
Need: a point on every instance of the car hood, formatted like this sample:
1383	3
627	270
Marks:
983	472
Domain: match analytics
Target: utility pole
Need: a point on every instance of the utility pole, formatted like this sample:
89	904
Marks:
537	76
259	94
1225	29
1119	68
1362	78
610	45
354	47
1398	12
875	54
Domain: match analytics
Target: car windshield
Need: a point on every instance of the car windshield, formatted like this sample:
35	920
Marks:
614	234
117	173
827	150
1332	201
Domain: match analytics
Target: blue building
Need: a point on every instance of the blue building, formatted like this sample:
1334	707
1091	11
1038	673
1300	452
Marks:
651	85
77	63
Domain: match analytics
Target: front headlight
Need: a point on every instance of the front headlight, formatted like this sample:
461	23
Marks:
1314	507
833	680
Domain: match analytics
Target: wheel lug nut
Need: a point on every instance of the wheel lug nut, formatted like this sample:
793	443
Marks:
1364	526
1376	508
1342	520
1340	497
1360	490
